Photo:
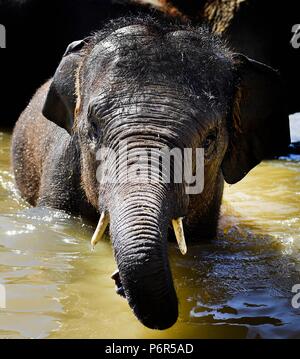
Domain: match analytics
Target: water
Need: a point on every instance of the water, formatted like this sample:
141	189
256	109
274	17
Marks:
238	286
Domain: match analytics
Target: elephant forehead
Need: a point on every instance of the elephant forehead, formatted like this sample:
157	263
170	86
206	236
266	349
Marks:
107	45
131	30
190	39
183	34
125	36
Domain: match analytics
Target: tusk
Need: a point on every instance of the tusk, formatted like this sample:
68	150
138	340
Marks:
178	229
101	227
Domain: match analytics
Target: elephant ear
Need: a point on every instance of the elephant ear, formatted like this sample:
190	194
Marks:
260	127
60	101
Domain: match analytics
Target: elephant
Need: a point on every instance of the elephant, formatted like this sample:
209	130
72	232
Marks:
154	84
260	29
37	33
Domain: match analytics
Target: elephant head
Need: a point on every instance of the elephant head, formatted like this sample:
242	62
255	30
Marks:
158	85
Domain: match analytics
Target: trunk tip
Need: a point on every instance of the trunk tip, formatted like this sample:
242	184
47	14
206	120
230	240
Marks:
160	317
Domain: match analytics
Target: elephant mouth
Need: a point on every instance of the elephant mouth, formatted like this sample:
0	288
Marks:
104	222
118	284
101	228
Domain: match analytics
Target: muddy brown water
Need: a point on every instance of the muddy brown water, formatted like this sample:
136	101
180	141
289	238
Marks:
238	286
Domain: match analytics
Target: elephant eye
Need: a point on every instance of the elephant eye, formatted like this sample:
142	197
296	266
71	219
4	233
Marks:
94	131
209	141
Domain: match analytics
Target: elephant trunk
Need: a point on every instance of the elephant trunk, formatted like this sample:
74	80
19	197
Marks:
139	219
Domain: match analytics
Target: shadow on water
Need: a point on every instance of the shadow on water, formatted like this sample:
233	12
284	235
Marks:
236	286
239	284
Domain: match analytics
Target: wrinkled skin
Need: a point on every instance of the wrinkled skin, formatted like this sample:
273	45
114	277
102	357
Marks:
154	85
261	29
